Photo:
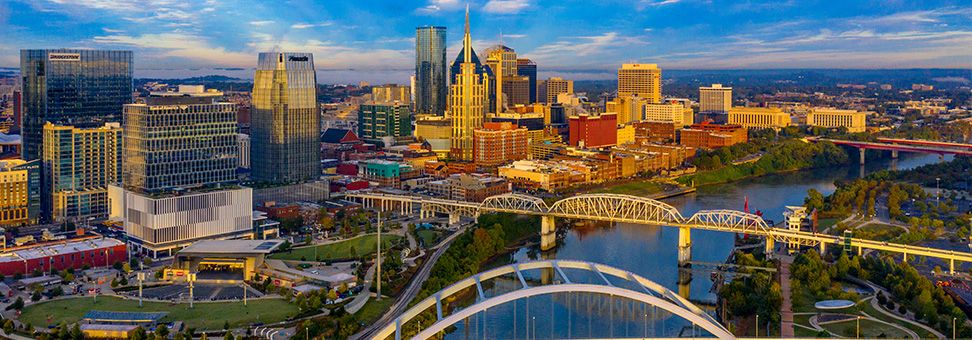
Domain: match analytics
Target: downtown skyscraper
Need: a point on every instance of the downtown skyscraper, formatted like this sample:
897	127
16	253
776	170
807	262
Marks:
80	88
468	98
285	133
430	70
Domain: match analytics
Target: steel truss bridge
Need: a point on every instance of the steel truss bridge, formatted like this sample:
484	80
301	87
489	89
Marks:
644	291
639	210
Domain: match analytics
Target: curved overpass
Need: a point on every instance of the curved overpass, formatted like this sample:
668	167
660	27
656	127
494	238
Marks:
650	293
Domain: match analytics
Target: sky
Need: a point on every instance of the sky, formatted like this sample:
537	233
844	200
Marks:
373	40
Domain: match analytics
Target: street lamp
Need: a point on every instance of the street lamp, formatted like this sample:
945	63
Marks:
953	328
938	189
858	326
378	290
757	326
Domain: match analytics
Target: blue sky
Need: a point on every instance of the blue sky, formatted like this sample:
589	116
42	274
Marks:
373	39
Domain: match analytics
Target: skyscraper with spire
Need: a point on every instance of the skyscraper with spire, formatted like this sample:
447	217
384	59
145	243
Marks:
467	98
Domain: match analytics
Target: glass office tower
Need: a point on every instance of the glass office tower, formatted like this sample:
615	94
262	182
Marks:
285	132
430	70
80	88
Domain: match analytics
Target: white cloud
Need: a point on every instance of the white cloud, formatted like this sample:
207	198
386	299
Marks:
505	6
567	51
657	3
185	46
434	6
300	26
261	22
514	36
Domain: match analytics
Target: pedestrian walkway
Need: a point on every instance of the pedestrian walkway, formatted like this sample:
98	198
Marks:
786	311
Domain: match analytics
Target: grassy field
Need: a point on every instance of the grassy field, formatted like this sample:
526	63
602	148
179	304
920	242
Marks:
210	315
640	188
363	246
878	232
869	329
428	236
373	310
867	308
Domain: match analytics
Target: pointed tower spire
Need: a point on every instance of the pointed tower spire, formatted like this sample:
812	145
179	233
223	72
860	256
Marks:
467	41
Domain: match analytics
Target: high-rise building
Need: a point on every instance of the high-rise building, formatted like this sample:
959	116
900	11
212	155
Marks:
19	192
180	141
391	93
516	90
180	183
431	86
629	108
79	164
527	68
555	86
468	94
243	145
18	112
854	121
759	117
713	136
499	143
715	98
81	88
377	120
286	121
642	80
502	61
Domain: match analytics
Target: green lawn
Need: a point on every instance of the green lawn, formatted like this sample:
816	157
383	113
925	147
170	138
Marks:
825	223
209	315
363	246
869	329
373	310
867	308
640	188
428	236
878	232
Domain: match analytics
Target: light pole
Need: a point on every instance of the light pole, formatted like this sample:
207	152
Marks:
858	327
757	326
191	277
953	328
141	277
244	293
938	189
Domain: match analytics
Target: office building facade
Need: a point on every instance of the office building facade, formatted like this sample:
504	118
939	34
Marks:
759	117
286	122
668	112
589	131
715	98
431	86
642	80
555	86
386	119
81	88
391	93
854	121
527	68
498	143
19	192
79	165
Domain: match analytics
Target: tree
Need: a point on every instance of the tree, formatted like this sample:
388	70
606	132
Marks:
35	297
226	325
18	305
814	200
127	268
228	336
8	326
76	333
138	334
162	331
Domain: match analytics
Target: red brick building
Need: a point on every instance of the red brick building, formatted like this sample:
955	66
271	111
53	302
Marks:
62	255
497	144
594	131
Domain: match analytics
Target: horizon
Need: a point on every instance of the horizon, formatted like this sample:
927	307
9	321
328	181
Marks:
675	34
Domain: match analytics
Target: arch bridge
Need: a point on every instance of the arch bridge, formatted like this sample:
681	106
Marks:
639	210
645	291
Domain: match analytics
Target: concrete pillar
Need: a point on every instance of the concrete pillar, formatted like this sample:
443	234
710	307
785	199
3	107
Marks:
941	158
862	155
951	266
548	232
904	257
684	246
894	154
685	282
770	247
453	218
823	248
860	251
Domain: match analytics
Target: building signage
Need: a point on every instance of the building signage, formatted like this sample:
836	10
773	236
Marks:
302	58
64	56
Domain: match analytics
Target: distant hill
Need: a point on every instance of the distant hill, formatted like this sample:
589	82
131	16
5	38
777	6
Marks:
201	79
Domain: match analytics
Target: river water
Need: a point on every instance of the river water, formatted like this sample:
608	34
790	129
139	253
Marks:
650	252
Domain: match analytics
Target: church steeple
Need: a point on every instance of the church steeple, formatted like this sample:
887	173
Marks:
467	41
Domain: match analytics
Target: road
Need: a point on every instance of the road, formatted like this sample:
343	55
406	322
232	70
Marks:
412	290
362	297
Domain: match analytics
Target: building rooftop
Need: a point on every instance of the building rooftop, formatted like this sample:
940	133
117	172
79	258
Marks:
63	247
128	317
232	247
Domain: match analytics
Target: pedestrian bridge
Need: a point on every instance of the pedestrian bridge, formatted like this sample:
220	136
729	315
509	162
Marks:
639	210
609	281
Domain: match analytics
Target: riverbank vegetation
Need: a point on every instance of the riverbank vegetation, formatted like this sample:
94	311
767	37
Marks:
953	174
787	155
755	292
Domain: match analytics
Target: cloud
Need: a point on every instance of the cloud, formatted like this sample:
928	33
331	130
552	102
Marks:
339	56
305	25
657	3
110	30
261	22
188	47
434	6
514	36
505	6
567	50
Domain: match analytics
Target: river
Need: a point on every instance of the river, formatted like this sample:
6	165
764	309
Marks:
650	252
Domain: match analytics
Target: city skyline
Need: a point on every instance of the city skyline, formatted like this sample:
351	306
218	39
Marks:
171	39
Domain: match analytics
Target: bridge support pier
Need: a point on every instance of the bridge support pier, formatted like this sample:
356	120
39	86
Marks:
548	232
904	257
862	155
894	154
453	219
823	248
770	247
684	246
685	282
951	266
